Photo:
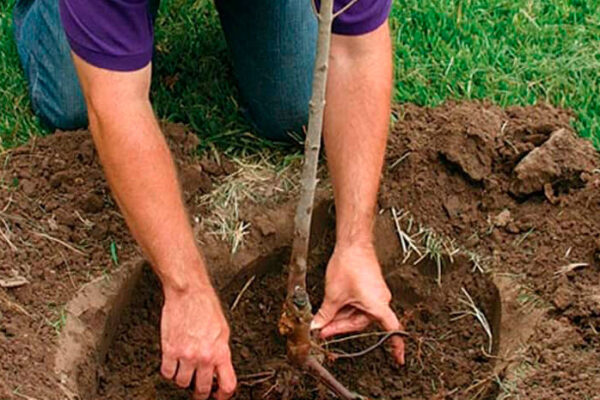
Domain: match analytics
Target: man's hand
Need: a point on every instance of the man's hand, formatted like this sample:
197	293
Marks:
195	342
356	295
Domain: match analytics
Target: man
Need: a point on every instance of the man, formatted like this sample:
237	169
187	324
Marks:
100	72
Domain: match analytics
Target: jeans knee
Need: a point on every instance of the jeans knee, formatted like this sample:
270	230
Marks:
60	110
283	122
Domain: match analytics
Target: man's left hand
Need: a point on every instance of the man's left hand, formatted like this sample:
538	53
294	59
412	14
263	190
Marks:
356	296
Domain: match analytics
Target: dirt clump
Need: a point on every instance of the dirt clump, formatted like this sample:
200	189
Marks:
559	161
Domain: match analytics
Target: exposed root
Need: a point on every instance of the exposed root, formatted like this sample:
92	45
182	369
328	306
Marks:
12	305
325	377
6	238
364	335
406	241
239	296
256	379
337	355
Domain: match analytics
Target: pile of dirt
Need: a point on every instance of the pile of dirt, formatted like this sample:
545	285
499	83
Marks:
60	229
520	189
514	189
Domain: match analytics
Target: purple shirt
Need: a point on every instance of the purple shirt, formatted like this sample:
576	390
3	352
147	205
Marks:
118	34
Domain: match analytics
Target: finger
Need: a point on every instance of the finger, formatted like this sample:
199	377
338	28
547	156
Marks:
389	322
325	314
227	381
203	384
185	372
344	313
168	367
356	322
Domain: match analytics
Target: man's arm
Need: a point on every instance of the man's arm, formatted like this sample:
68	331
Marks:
142	176
357	118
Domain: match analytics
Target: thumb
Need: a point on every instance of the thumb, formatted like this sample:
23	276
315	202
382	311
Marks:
325	315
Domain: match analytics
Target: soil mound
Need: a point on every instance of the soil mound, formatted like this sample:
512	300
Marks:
60	229
518	188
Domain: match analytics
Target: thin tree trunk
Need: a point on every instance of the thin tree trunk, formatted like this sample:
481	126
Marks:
298	264
297	314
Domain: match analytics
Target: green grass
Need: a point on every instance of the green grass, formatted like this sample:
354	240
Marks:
508	51
511	52
17	122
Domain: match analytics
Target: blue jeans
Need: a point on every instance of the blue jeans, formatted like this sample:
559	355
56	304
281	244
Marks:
272	45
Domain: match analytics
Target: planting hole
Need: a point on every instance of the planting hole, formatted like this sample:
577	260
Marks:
448	351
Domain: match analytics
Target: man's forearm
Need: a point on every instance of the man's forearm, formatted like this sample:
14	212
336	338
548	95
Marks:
356	127
141	173
139	168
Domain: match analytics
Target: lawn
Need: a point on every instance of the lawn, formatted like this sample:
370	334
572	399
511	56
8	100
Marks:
511	52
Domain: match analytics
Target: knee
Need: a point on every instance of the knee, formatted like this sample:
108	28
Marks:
59	106
62	115
282	119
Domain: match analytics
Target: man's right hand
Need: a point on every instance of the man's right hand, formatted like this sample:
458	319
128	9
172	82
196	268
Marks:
195	342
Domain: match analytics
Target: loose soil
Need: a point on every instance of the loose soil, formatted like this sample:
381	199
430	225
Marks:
515	187
447	356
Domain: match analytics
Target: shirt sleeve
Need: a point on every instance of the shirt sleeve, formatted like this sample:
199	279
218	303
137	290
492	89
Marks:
111	34
362	17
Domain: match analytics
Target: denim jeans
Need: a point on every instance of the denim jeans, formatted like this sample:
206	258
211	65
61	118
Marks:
272	45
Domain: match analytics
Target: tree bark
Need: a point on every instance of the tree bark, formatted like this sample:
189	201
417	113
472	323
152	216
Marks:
297	315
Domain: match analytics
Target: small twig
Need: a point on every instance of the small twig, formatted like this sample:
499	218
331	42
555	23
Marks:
568	252
8	203
268	392
65	244
68	269
5	237
571	267
313	3
521	239
477	384
11	304
15	282
399	160
241	293
86	222
344	9
23	396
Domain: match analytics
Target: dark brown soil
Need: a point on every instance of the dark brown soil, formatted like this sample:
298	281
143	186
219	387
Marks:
515	186
58	223
446	356
519	188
